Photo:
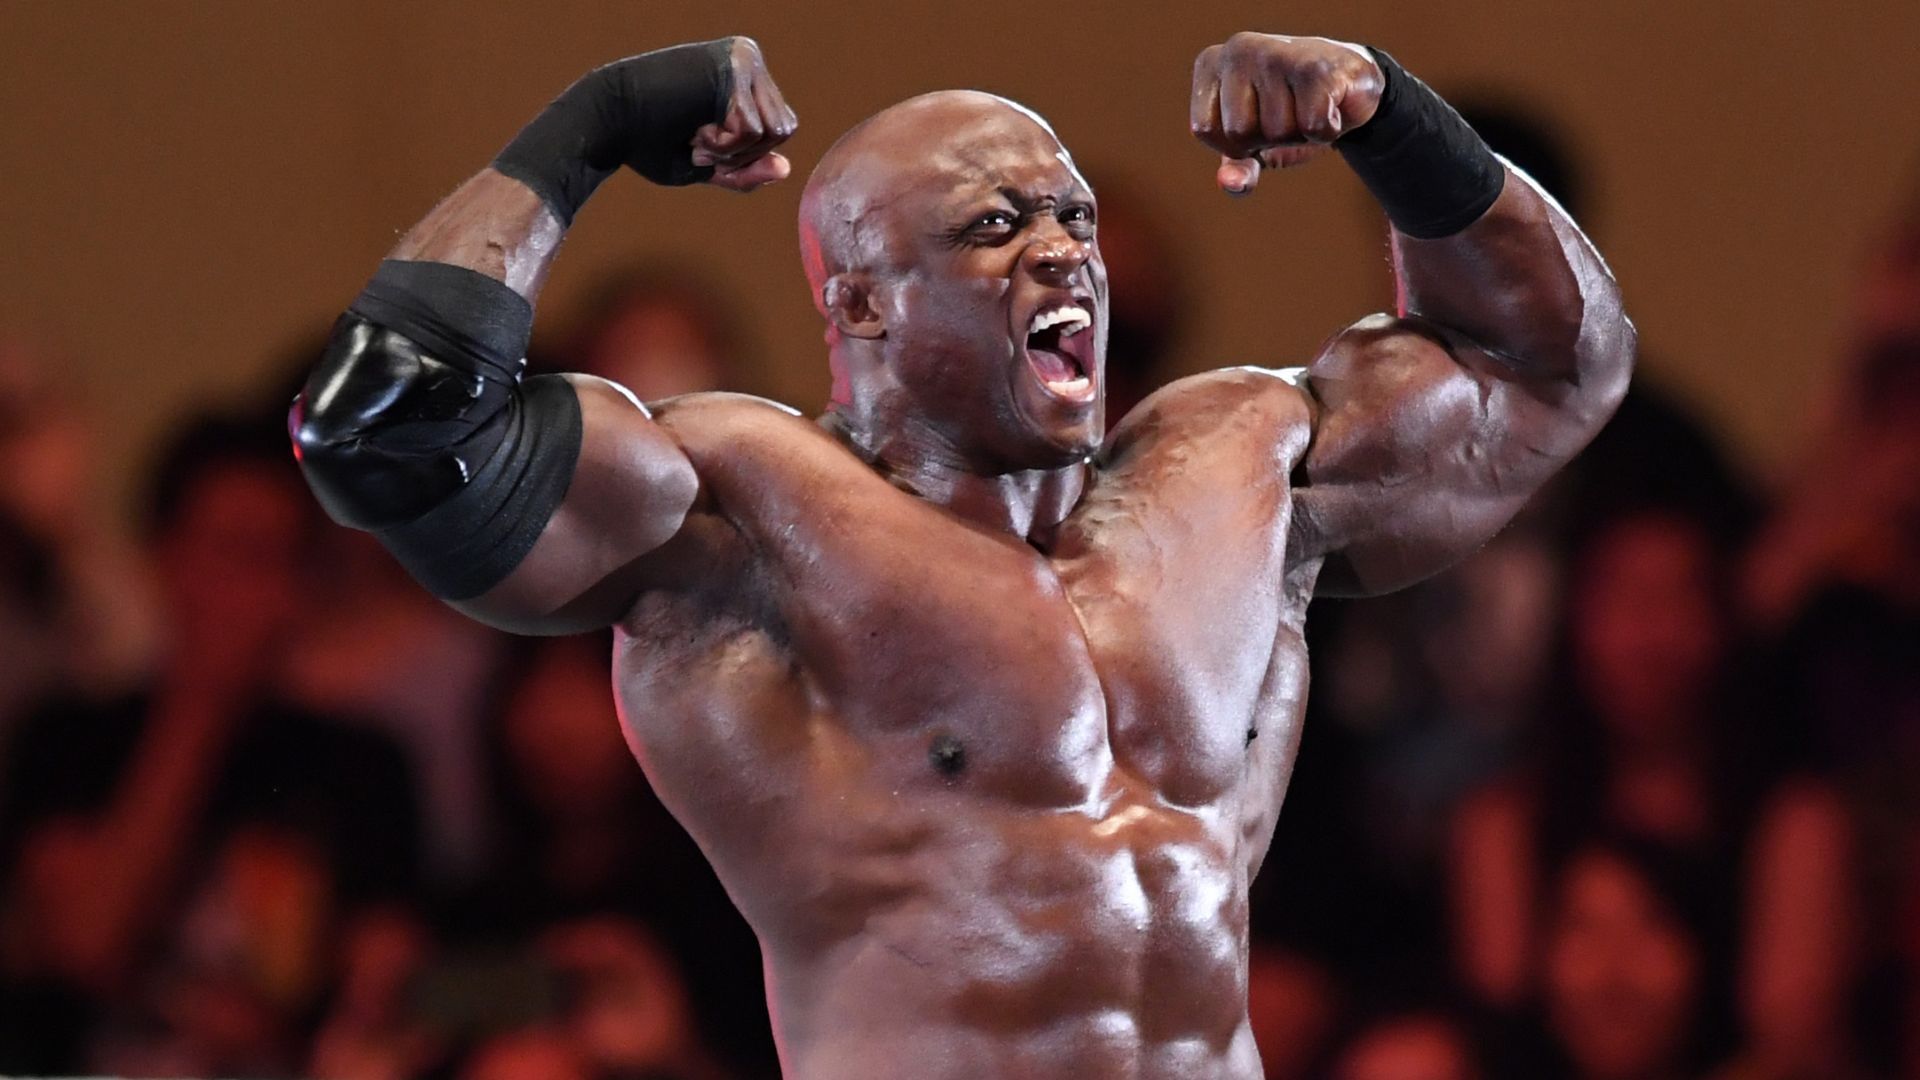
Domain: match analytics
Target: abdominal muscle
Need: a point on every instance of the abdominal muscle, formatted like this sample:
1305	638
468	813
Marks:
1027	943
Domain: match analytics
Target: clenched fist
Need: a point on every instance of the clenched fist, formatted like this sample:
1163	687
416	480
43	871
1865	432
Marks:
1268	99
739	146
706	111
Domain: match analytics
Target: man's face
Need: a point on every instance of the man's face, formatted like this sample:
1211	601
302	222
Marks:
1647	630
1621	973
994	294
231	562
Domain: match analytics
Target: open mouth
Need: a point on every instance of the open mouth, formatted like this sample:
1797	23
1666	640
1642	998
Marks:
1059	350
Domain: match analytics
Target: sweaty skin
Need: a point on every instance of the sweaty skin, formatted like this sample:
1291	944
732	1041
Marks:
983	720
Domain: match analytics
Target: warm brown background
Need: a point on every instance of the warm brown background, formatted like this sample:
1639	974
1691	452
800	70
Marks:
184	188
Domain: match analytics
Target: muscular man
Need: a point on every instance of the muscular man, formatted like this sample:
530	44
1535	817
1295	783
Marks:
983	721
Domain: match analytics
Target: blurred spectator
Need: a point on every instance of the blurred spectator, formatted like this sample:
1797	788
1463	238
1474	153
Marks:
1835	581
659	331
1654	740
530	1054
103	632
1624	968
1470	659
1419	1045
1854	522
375	646
1291	1007
372	645
1888	303
581	832
174	860
596	998
1853	515
372	1030
628	1010
583	837
29	616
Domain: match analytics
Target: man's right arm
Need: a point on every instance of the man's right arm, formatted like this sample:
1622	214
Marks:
529	504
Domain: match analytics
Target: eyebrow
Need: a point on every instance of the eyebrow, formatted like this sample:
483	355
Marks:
1023	199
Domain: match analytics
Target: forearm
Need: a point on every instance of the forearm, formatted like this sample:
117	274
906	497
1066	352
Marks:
1523	284
1477	249
494	225
139	841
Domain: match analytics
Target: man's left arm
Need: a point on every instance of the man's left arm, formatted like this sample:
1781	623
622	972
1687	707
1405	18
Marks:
1508	350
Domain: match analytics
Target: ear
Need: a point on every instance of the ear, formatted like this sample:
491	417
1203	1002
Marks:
848	299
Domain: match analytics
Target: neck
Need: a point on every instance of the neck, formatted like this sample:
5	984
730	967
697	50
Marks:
1028	503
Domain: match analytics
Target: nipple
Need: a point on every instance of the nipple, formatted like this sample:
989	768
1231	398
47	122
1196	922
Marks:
947	755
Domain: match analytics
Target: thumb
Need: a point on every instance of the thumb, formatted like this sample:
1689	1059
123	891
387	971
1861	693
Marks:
1237	176
765	169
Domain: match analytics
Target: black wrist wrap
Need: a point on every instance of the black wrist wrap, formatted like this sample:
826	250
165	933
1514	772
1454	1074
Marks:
1429	171
641	112
417	427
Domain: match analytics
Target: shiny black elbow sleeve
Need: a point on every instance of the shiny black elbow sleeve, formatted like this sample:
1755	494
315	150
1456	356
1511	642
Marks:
416	426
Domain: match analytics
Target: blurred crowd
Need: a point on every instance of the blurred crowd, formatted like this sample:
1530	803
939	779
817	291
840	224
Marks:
1628	795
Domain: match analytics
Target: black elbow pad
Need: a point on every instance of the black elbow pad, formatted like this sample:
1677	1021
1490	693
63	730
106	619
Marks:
445	454
385	432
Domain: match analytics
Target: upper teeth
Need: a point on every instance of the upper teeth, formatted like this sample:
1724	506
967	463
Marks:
1071	317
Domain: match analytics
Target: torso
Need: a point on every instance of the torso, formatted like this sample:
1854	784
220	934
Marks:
992	808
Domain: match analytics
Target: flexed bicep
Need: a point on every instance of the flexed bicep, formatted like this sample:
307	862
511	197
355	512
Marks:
1435	427
1510	349
1424	445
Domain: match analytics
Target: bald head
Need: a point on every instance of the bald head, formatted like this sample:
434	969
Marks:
934	138
935	234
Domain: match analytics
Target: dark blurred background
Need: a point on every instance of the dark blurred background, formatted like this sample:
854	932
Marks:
1630	794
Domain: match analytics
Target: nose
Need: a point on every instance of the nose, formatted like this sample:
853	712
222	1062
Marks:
1054	255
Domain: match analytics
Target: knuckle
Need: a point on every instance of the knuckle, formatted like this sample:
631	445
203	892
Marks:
1320	69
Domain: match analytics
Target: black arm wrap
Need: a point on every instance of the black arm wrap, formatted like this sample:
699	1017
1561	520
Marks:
641	112
1430	172
416	426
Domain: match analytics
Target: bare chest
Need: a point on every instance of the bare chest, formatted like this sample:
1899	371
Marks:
1147	649
1147	646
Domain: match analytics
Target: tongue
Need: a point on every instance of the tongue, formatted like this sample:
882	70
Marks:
1052	365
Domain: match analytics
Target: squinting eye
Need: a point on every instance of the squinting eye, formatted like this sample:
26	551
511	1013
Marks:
995	220
1077	213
